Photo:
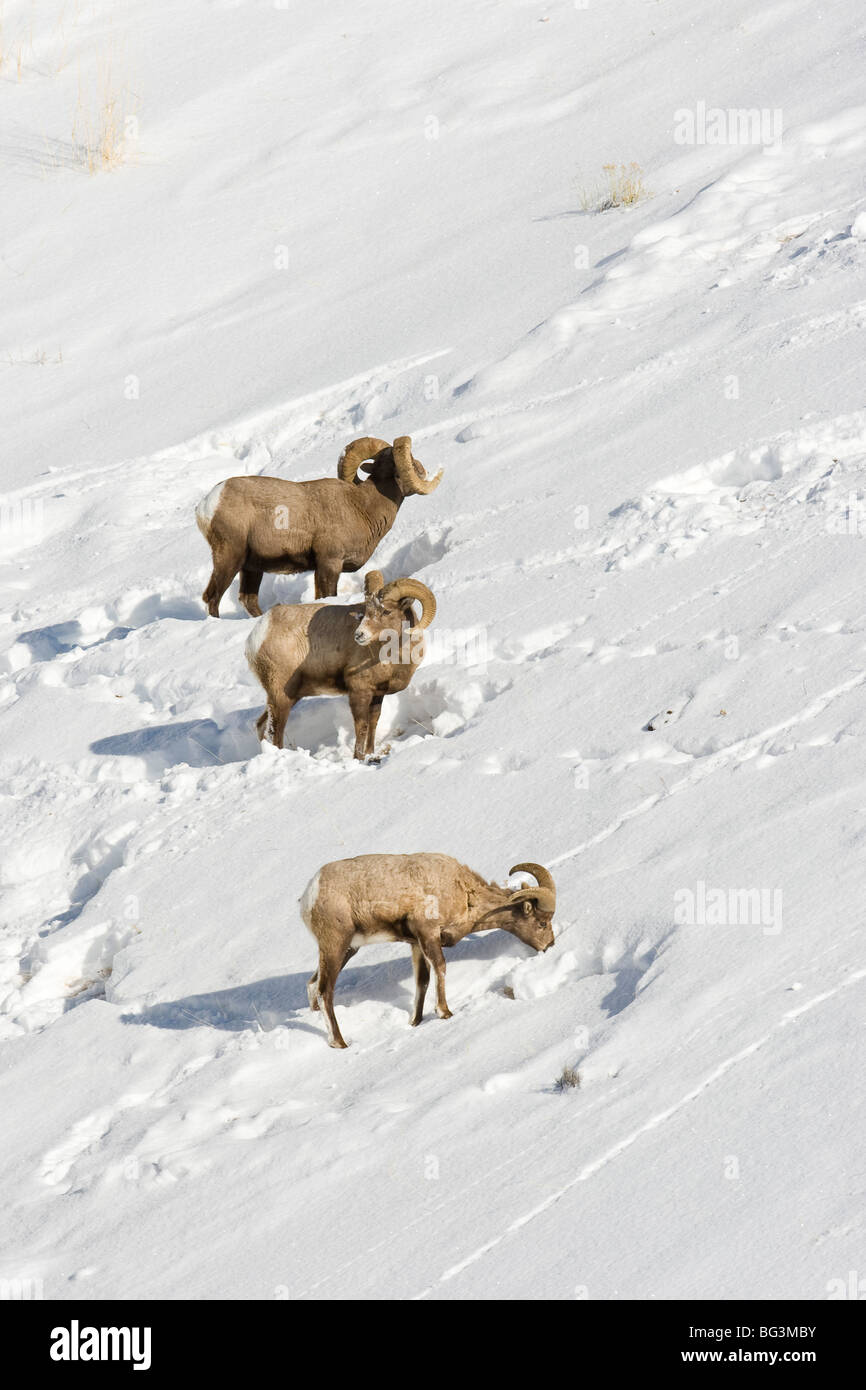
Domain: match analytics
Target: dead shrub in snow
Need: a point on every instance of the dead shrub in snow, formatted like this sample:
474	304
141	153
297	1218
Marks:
12	46
569	1079
103	120
39	358
621	186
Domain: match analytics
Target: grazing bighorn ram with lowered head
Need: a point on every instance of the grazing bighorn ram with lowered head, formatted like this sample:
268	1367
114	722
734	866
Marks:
428	901
366	651
330	525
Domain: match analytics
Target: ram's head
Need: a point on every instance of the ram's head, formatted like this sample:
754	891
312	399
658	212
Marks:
383	462
528	913
390	619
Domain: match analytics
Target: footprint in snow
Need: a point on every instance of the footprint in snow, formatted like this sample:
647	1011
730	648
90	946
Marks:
665	716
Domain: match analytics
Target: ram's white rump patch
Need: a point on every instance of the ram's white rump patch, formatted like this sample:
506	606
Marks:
206	509
257	636
310	897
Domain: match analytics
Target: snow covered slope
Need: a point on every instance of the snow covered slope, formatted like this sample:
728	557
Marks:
369	218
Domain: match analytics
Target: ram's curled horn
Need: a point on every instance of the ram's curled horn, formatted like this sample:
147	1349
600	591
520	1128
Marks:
357	453
373	581
409	472
413	589
544	895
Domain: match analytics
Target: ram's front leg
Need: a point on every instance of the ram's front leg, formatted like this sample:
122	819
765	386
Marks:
372	721
359	704
422	980
431	946
328	571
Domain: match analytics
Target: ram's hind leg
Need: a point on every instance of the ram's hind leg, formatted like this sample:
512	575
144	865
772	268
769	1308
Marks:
313	990
226	563
334	932
313	982
271	723
248	593
329	968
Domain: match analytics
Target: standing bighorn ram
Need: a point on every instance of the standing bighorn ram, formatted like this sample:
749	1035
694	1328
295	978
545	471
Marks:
426	900
330	525
366	651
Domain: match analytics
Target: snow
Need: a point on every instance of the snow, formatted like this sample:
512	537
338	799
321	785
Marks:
361	219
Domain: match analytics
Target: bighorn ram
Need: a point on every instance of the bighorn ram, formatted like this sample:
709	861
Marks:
330	525
427	900
366	651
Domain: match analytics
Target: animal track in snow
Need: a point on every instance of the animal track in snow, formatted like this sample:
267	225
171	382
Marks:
588	1170
495	764
84	1134
726	233
327	416
733	493
169	1129
626	962
664	716
408	557
742	750
96	625
541	642
63	970
194	743
442	705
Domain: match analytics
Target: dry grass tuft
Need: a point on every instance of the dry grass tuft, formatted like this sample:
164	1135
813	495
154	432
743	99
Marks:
103	121
14	45
622	186
569	1080
39	358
